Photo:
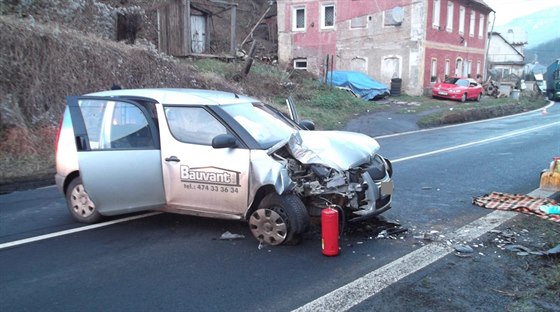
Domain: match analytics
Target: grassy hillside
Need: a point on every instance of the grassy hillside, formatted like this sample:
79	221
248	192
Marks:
41	64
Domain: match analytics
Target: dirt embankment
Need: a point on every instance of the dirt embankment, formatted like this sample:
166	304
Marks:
41	64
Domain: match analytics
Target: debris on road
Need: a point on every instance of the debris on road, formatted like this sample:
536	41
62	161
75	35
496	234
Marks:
463	248
550	209
231	236
516	202
554	251
431	235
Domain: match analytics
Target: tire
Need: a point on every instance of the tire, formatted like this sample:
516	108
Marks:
464	98
479	97
280	219
79	204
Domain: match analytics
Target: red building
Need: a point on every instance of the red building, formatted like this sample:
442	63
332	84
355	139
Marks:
456	36
417	41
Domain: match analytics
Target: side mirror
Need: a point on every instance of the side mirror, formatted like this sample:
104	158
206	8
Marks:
307	124
224	141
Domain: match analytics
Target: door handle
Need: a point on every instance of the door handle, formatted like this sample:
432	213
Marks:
173	158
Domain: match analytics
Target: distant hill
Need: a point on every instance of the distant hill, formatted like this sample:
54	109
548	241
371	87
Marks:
541	26
543	37
544	53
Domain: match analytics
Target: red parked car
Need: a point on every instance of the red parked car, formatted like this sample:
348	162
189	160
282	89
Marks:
460	89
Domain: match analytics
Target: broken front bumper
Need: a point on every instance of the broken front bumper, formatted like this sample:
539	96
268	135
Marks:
378	197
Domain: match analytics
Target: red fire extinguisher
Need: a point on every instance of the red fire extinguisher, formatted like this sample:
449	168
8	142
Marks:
329	230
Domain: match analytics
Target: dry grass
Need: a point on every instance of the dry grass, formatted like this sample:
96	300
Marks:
41	64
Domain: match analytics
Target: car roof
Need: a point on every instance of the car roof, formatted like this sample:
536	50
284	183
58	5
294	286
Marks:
178	96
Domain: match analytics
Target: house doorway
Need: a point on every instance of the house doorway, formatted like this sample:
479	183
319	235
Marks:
198	33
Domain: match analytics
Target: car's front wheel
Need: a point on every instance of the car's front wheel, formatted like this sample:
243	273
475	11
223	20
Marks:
464	98
280	219
80	205
479	97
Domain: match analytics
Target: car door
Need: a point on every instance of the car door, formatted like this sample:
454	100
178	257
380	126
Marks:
199	178
118	153
472	89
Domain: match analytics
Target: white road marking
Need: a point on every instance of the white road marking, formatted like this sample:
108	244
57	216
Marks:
76	230
462	124
497	138
354	293
46	187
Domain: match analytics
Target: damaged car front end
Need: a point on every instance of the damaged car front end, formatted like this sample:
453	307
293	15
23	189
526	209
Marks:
337	169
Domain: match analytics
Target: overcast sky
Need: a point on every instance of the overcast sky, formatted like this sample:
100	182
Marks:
506	10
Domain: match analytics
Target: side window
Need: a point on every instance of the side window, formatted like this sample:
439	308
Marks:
193	125
115	125
129	128
93	112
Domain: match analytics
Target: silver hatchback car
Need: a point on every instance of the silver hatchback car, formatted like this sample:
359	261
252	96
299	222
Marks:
213	154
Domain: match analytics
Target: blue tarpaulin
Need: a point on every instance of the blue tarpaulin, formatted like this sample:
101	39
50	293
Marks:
359	83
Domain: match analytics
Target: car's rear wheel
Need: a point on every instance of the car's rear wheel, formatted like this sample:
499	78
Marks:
464	98
479	97
80	204
280	219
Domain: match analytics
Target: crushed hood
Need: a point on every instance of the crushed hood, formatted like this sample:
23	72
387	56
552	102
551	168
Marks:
339	150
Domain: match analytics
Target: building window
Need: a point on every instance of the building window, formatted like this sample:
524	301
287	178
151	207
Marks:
471	24
433	70
461	19
300	64
469	68
298	19
459	67
327	16
481	26
449	26
446	68
436	14
478	69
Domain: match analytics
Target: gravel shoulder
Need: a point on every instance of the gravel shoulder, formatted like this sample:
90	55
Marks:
490	278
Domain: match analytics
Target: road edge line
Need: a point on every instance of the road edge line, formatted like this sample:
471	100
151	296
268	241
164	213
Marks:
550	104
357	291
74	230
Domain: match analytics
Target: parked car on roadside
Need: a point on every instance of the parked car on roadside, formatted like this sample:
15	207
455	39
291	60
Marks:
213	154
460	89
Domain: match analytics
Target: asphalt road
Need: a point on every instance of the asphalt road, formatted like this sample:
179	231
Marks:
171	262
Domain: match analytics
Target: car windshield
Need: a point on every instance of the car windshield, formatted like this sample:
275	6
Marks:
457	81
462	82
451	80
262	123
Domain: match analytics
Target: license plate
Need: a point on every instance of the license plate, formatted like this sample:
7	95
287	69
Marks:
442	93
387	188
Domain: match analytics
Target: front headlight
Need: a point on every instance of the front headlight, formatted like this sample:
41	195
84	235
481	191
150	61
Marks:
389	167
